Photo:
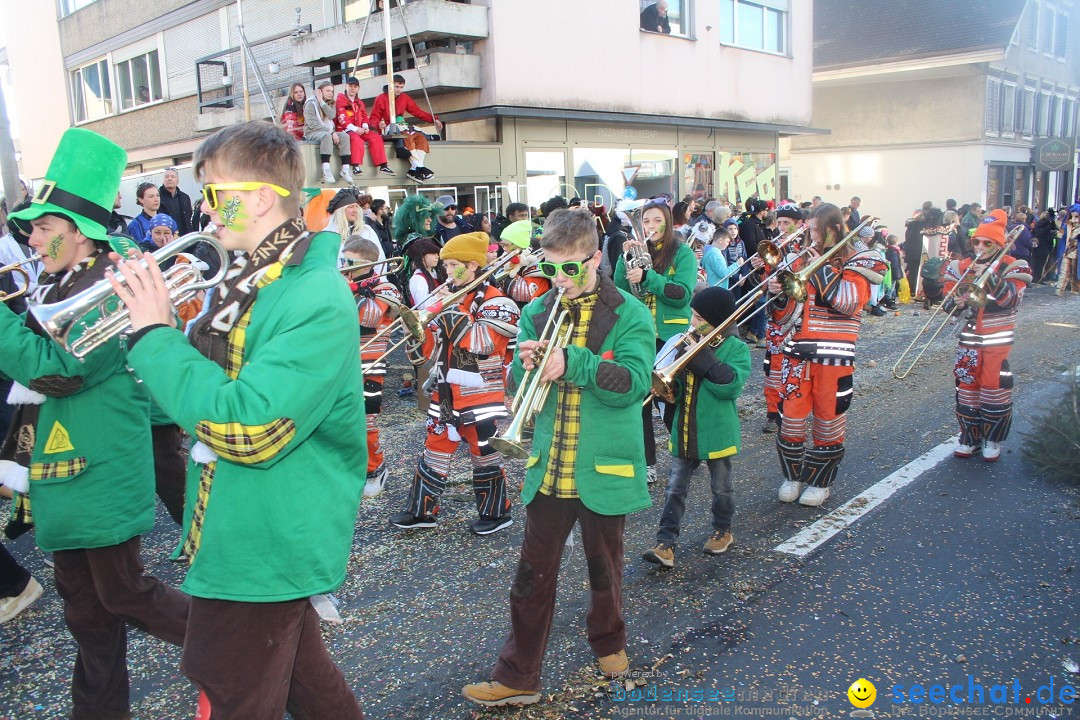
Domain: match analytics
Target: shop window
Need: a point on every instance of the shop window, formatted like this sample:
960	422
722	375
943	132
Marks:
758	25
91	91
605	173
669	17
138	80
742	175
698	175
545	173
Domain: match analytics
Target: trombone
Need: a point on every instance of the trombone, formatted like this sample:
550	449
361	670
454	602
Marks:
392	265
977	298
770	253
533	392
89	319
17	267
415	321
794	283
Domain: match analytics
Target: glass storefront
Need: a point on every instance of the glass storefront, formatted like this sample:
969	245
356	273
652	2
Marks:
1007	185
601	175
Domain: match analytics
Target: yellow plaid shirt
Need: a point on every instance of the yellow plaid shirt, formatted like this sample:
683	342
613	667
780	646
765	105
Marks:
559	474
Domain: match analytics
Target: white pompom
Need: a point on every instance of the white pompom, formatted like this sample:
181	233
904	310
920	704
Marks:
202	454
22	395
15	476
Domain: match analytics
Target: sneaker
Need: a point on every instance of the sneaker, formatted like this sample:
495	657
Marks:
12	606
357	170
328	177
376	481
770	426
408	521
347	175
965	451
385	170
751	338
415	176
426	173
662	554
761	344
718	543
493	694
484	525
406	392
814	496
613	665
789	491
47	559
878	311
991	451
327	607
650	474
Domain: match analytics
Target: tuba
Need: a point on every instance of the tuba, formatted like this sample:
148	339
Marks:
635	249
89	319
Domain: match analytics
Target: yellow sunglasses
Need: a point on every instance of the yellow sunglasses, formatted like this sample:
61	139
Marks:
210	190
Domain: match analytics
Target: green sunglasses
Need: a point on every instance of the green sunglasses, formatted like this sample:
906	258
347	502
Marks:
570	268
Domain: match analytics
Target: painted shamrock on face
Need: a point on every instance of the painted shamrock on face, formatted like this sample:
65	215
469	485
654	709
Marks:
232	214
55	245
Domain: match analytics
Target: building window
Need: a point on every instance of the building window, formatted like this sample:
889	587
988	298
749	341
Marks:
758	25
1061	40
138	80
606	173
1028	112
69	6
91	91
676	21
1053	123
992	115
1033	27
1008	109
1046	30
1042	115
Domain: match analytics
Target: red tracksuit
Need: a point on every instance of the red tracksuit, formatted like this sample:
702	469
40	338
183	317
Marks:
353	112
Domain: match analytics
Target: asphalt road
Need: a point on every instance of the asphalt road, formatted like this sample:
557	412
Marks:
968	570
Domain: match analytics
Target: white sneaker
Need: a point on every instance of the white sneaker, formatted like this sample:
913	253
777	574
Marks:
346	174
789	491
991	451
650	473
327	174
327	607
965	451
376	482
12	606
814	496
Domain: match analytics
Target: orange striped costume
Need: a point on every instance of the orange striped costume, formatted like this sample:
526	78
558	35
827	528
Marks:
377	303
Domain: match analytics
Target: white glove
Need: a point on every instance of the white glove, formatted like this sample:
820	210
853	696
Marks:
364	128
352	128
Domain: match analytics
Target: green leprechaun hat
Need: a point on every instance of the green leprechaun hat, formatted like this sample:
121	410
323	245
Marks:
81	184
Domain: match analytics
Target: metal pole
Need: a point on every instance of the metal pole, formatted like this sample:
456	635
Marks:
243	58
389	59
8	165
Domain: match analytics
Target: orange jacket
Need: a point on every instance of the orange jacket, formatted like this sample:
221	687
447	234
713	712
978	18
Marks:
995	324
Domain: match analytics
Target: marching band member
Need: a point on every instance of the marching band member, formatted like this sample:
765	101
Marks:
525	282
377	303
706	425
467	342
1068	266
788	220
983	379
666	290
269	383
818	363
80	442
575	474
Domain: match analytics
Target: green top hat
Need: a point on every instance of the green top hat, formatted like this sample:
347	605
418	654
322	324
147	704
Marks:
81	184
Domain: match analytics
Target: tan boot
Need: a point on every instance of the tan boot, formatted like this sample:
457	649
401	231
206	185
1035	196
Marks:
718	543
661	555
614	665
492	694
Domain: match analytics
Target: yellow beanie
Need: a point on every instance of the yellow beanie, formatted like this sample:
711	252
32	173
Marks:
466	247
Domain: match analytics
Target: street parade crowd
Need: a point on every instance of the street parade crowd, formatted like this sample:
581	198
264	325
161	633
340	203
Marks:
239	360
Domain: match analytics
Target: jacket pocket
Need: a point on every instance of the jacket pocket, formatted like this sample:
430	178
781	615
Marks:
607	465
677	321
51	473
533	459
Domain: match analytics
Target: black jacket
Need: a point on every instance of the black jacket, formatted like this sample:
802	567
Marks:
650	20
1044	233
178	207
384	235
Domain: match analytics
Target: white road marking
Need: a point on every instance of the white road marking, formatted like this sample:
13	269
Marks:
814	536
1075	372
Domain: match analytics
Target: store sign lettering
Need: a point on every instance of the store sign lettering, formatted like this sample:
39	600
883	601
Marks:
734	179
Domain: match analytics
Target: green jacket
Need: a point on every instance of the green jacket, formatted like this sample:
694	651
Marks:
92	467
706	425
288	431
613	371
672	291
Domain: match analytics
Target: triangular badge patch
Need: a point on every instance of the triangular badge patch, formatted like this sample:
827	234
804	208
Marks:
59	440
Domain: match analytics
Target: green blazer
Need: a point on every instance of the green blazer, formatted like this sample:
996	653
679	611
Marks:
672	291
288	432
92	466
613	370
706	424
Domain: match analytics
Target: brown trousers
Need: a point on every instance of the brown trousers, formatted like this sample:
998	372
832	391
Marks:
170	469
252	661
548	522
105	590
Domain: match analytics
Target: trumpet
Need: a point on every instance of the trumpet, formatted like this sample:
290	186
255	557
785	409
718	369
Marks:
533	392
89	319
415	321
393	265
977	298
17	267
770	253
794	284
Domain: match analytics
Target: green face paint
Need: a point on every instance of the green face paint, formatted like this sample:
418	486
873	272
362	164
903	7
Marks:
579	279
233	215
459	272
55	245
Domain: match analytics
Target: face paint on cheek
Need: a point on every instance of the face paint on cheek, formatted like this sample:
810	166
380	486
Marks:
56	244
233	215
459	273
579	279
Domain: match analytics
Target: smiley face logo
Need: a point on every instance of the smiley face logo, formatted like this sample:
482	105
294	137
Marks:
862	693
